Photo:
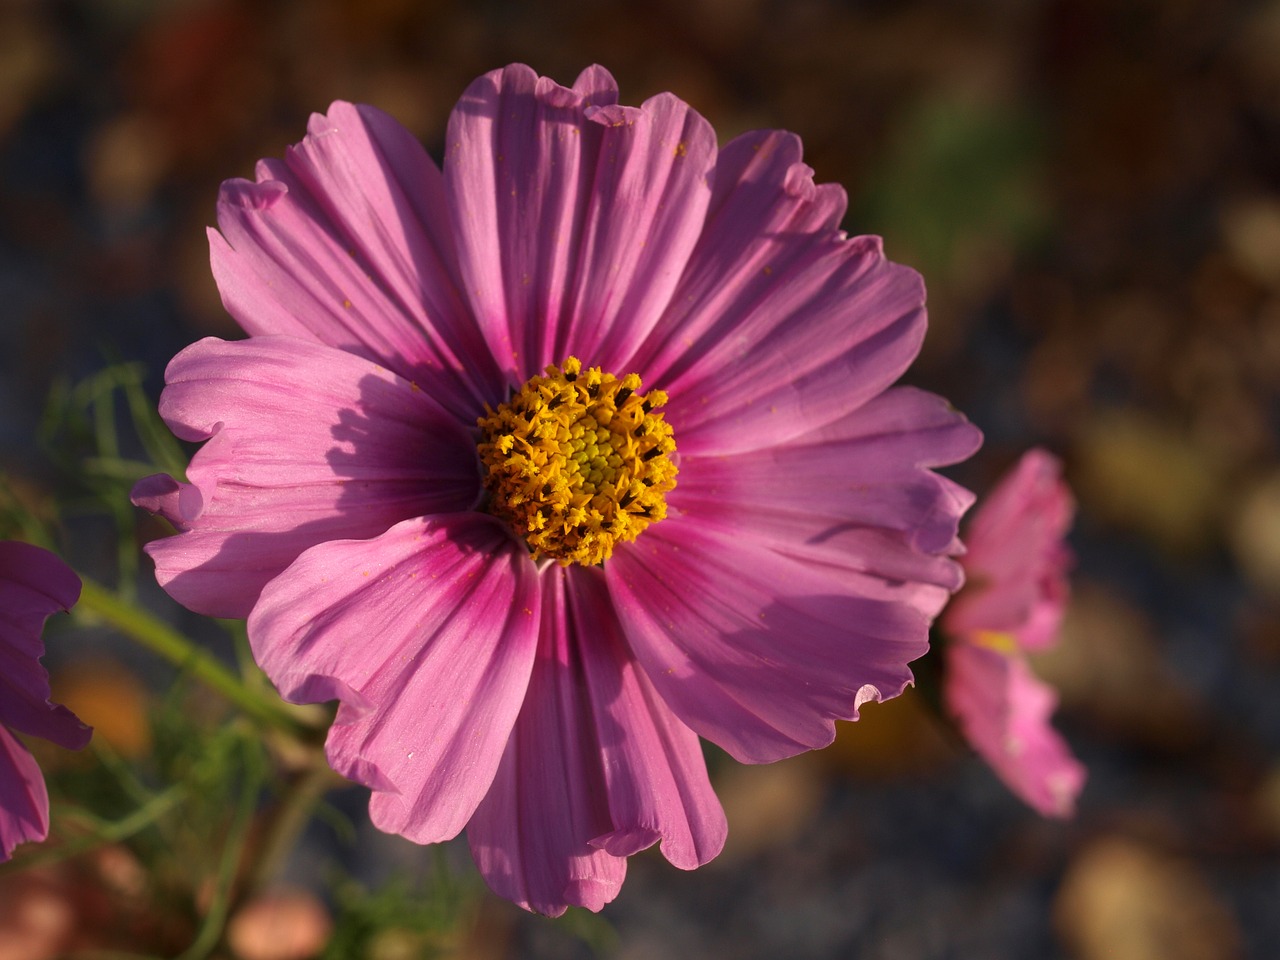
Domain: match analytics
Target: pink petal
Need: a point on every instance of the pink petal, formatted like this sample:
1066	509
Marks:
532	835
426	635
1004	713
857	494
305	444
34	583
780	324
24	801
756	651
347	242
179	503
574	221
654	771
765	211
1016	560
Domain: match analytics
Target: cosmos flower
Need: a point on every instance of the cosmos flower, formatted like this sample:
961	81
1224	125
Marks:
33	584
547	464
1013	603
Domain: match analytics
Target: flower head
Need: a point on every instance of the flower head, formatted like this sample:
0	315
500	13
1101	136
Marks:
33	584
1013	602
547	464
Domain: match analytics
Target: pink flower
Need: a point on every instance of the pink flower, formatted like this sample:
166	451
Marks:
33	584
545	465
1014	601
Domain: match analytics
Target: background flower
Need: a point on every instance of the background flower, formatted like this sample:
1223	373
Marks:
554	710
33	584
1013	603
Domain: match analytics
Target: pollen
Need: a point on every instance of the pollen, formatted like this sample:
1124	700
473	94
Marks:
578	461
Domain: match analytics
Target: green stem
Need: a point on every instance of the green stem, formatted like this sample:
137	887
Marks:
158	637
220	903
290	816
103	833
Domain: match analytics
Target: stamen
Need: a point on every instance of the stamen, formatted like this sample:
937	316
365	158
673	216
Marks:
577	461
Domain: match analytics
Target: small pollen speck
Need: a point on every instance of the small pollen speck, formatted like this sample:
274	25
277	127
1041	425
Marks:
681	150
346	304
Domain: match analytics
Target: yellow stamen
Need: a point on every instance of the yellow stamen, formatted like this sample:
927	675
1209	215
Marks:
996	640
578	461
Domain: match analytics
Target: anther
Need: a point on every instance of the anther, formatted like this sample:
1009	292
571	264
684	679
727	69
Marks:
569	470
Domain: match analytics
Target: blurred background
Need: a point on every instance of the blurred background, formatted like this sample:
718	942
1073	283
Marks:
1092	191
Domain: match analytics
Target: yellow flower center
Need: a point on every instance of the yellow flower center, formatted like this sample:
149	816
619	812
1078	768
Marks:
998	641
578	461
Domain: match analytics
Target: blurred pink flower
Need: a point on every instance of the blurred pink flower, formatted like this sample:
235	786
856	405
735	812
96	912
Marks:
429	510
33	584
1014	600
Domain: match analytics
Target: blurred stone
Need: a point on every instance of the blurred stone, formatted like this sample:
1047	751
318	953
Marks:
482	931
37	919
1251	231
201	72
110	699
126	161
280	925
1109	668
1135	328
1264	345
1266	805
29	61
1142	474
1124	900
1257	623
121	873
767	805
1056	383
1255	47
1255	534
396	944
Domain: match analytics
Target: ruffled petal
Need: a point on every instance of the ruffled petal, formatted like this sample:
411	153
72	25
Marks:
574	216
347	242
756	651
765	211
1004	711
532	835
654	770
426	635
858	494
781	324
1017	560
24	801
34	584
305	443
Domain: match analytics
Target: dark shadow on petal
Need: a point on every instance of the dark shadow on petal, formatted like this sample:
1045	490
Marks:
395	455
